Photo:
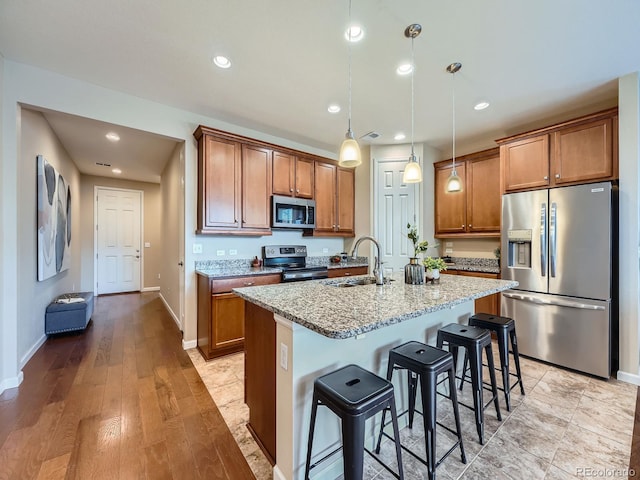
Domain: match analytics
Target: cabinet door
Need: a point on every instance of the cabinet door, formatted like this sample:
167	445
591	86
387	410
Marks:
583	153
256	183
304	178
489	304
483	195
450	206
345	200
227	321
525	163
283	166
325	195
220	172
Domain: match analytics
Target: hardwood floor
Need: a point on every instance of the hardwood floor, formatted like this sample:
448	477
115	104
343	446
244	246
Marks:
120	400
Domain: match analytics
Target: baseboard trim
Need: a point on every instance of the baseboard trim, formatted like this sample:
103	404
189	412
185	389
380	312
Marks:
187	344
150	289
628	377
171	312
11	382
31	352
277	473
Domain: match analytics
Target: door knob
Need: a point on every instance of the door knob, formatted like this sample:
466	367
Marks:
137	256
181	264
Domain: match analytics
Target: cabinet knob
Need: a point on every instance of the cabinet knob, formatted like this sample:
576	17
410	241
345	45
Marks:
545	178
291	189
470	225
347	274
333	226
462	226
297	190
248	284
557	175
338	226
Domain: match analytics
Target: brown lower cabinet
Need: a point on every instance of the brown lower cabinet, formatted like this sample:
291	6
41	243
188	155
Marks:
489	304
347	272
221	313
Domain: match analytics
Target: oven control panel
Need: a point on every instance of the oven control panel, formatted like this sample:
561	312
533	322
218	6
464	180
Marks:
277	251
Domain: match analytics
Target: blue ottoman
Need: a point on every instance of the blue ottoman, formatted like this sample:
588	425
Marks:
67	317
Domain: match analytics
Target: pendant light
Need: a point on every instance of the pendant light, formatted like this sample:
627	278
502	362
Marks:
412	171
350	155
454	183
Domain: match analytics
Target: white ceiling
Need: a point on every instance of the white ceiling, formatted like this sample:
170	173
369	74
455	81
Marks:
536	62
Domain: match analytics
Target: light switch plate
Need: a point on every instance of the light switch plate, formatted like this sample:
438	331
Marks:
147	244
220	253
233	252
284	356
325	250
448	250
448	244
197	248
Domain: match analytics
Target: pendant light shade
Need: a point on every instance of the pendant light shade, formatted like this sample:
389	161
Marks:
454	183
412	171
350	155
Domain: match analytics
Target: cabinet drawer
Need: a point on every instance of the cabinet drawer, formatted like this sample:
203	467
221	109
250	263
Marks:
227	284
347	272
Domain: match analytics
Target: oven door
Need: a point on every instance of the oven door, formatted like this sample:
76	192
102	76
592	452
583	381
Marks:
298	275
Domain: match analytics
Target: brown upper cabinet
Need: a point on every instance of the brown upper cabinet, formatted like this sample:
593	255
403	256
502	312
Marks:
578	151
475	210
234	185
292	175
335	200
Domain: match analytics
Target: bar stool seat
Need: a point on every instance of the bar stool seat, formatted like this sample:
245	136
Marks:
473	340
424	364
505	329
354	395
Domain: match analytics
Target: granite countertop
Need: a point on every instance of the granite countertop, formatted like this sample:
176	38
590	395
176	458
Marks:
242	267
481	265
346	312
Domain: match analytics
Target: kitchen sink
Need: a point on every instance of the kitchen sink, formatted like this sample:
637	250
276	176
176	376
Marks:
351	282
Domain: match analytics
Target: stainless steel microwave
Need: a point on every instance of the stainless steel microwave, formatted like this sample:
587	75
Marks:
288	212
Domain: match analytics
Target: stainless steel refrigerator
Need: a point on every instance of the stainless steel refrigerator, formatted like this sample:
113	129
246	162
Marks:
560	244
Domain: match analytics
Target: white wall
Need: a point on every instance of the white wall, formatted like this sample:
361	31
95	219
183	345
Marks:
629	153
37	138
23	84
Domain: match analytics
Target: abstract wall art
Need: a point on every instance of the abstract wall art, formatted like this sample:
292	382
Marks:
54	221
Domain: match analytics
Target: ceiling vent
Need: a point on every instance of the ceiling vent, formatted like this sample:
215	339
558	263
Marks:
100	164
371	135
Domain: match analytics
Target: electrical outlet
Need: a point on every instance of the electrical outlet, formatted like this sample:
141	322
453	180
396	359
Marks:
233	252
325	250
197	248
158	276
220	253
360	336
448	244
284	356
448	250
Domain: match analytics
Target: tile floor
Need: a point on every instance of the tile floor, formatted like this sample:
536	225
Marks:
567	426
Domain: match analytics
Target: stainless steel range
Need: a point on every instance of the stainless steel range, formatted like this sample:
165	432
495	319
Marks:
292	259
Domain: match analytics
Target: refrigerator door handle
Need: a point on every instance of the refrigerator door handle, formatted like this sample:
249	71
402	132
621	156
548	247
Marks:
543	239
553	222
558	302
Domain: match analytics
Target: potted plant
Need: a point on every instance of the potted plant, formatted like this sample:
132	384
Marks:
413	272
433	267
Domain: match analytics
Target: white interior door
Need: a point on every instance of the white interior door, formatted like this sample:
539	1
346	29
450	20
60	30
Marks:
118	230
396	206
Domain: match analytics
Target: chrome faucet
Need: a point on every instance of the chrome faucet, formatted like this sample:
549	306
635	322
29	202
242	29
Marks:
377	270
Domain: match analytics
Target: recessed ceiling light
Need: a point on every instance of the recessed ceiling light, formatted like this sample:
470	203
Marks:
112	136
117	171
399	136
333	108
404	69
222	61
354	33
481	105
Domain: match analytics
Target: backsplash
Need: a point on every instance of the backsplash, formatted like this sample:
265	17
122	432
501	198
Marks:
246	262
476	262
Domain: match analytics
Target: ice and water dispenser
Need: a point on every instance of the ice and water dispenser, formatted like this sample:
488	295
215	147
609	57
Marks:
519	248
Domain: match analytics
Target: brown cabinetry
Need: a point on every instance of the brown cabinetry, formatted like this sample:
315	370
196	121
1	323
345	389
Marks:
578	151
292	175
234	185
347	272
475	210
335	200
221	313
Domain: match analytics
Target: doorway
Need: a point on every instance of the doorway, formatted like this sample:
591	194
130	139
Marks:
118	230
395	206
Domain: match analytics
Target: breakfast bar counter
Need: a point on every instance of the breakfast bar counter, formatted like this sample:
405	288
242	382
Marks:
297	332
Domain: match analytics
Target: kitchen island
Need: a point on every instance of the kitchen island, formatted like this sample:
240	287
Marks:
296	332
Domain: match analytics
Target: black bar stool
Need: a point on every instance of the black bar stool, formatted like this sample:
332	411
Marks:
353	394
474	340
425	363
505	329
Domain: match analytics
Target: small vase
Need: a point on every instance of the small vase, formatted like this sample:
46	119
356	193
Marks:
414	272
